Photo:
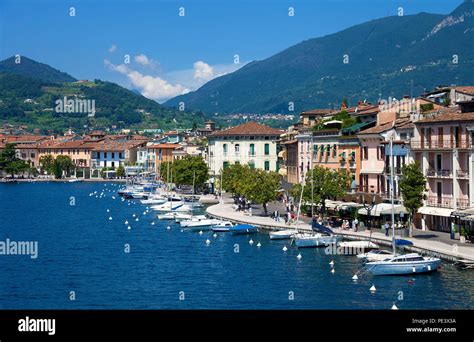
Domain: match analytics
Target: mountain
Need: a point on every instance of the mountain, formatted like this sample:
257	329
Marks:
385	56
28	96
30	68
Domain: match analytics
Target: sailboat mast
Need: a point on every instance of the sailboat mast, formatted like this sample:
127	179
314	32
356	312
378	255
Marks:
392	189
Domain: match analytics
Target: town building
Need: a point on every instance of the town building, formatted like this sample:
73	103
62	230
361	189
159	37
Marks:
249	143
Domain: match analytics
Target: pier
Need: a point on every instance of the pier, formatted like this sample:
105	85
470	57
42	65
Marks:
449	252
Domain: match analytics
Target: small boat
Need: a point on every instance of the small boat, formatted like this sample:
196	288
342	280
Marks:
75	180
243	229
180	217
283	234
154	199
358	245
191	219
222	227
413	263
307	240
172	215
171	206
202	224
376	255
464	264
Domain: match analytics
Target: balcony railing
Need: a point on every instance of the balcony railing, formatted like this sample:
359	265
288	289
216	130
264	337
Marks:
462	203
440	144
462	174
440	202
439	173
396	170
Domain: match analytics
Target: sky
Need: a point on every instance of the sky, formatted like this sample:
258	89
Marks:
171	53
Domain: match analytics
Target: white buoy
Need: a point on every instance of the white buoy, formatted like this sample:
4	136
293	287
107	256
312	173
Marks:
251	242
126	222
113	197
299	256
331	263
355	277
333	270
134	215
144	213
137	219
110	218
200	232
285	249
168	227
372	288
182	230
214	235
208	242
153	223
259	244
108	210
394	307
129	227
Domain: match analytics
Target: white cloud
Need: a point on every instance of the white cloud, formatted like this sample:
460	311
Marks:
112	48
142	59
152	87
203	72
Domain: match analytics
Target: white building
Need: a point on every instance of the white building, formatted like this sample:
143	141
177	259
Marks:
250	143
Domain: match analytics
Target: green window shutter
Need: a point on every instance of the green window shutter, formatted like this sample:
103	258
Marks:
267	165
267	149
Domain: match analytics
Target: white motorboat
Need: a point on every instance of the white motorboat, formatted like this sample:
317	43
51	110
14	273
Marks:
202	224
75	180
186	217
154	199
303	240
222	227
412	263
191	219
172	206
169	216
283	234
358	245
376	255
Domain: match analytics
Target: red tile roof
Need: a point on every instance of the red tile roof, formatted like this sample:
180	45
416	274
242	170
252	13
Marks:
403	123
248	128
317	112
448	117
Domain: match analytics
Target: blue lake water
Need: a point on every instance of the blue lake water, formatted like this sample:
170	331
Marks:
81	250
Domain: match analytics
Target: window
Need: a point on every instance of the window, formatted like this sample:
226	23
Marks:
224	148
365	152
237	148
113	163
113	155
252	149
267	149
225	165
252	164
267	165
105	154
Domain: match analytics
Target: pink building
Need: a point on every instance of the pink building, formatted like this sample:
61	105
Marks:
442	146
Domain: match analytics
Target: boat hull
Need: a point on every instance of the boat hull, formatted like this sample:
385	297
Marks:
317	241
401	268
282	234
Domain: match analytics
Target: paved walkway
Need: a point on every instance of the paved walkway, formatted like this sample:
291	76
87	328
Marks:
426	242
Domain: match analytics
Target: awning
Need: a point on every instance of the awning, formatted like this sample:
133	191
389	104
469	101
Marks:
445	212
462	213
468	218
342	205
383	209
373	171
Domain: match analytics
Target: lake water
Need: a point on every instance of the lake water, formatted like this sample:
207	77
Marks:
81	250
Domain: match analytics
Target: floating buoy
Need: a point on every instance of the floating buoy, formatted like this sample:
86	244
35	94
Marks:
251	242
134	215
153	223
333	270
108	210
126	222
168	227
208	242
200	232
144	213
182	230
137	219
259	244
214	235
285	249
331	263
113	197
299	256
129	227
110	218
372	288
355	277
394	307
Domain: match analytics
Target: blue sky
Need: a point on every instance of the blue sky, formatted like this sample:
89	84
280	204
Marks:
176	54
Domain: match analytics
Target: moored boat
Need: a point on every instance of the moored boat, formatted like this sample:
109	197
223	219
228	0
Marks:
243	229
376	255
282	234
412	263
222	227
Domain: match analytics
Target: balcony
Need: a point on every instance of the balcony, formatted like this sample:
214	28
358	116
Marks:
440	144
462	203
440	202
433	173
462	174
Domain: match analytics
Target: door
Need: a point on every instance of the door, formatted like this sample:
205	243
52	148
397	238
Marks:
439	192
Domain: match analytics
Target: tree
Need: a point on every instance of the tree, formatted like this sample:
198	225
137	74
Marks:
10	162
412	186
190	170
120	172
326	184
46	163
62	164
261	187
234	178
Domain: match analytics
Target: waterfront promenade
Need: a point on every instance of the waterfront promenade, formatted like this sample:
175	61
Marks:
451	250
